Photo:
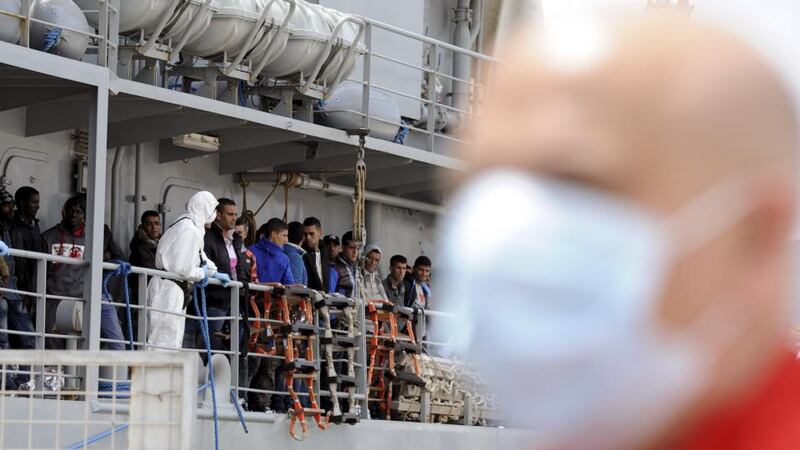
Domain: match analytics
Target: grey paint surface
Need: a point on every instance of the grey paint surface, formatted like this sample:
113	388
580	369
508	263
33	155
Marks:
406	14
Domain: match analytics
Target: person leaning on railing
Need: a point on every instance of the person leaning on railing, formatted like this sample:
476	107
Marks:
68	239
180	251
15	316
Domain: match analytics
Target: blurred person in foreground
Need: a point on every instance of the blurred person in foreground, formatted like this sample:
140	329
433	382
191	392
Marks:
655	185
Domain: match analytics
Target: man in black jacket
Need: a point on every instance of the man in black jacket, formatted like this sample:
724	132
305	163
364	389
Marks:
316	258
26	235
145	241
224	247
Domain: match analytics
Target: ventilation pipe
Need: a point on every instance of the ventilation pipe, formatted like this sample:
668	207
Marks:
462	64
306	182
115	188
137	186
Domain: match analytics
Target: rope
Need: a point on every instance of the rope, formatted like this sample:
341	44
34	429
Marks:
244	185
268	196
239	410
51	39
123	270
120	386
402	134
202	311
292	179
359	225
97	437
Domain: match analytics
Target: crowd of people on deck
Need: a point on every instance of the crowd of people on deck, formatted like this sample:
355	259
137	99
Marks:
233	246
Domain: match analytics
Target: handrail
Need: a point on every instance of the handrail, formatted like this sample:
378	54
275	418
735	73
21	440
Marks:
143	308
431	41
305	85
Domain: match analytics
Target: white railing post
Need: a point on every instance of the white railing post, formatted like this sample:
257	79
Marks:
141	295
235	313
367	78
98	124
363	383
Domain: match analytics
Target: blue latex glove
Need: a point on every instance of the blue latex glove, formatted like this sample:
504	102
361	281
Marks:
4	250
205	270
223	277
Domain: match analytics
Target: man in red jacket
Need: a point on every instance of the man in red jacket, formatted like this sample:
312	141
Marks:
654	184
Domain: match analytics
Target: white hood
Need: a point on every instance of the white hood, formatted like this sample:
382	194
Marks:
202	208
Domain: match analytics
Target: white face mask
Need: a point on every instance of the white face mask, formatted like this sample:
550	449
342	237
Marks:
558	312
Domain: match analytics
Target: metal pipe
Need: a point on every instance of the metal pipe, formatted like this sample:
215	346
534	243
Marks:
306	182
137	186
462	66
477	22
115	188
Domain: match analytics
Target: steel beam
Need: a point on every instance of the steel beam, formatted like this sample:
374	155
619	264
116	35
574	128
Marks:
259	158
72	112
167	152
253	136
14	97
154	128
392	177
408	189
344	162
96	199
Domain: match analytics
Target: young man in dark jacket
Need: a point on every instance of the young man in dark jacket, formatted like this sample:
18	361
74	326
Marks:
224	247
13	314
145	241
316	258
26	235
418	293
344	275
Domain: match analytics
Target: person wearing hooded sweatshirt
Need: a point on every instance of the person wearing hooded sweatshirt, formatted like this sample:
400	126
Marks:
295	252
373	284
180	250
272	263
68	239
344	274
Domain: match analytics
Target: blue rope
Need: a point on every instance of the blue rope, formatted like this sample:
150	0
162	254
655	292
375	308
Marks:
98	437
123	271
51	39
242	94
401	135
239	410
104	434
202	310
114	388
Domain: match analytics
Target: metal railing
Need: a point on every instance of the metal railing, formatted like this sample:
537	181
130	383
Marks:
104	42
427	99
436	112
140	308
157	392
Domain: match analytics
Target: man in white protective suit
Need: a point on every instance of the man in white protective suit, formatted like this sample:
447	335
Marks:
180	250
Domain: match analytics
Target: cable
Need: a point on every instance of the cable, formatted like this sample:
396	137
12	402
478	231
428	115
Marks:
239	410
203	311
277	182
